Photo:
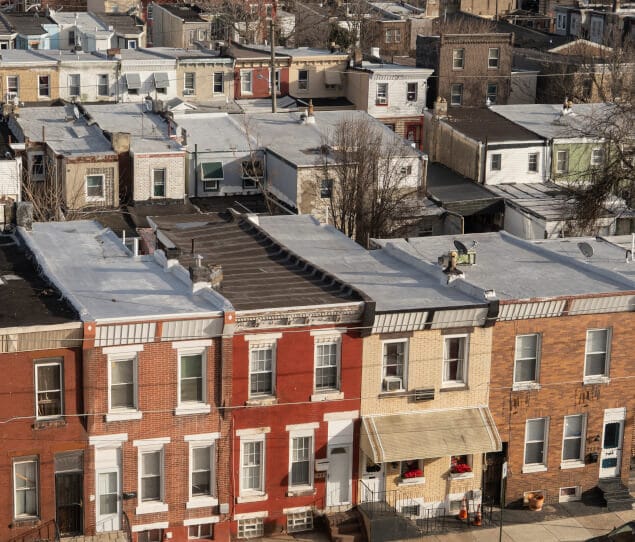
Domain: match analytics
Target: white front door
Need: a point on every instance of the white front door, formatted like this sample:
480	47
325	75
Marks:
373	480
338	482
108	503
613	434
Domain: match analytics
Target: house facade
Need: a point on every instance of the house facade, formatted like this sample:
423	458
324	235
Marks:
144	73
252	72
29	77
179	25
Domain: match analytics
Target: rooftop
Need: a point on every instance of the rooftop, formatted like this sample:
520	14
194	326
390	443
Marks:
190	54
257	273
79	256
26	299
189	13
481	123
23	57
390	67
121	22
393	281
302	52
59	55
447	186
230	127
85	21
27	24
399	10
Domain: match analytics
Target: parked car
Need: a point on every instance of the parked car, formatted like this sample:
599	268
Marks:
624	533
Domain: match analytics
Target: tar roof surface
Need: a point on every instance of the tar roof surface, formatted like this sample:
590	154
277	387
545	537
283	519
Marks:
25	56
394	284
122	23
481	123
448	186
256	273
85	21
187	13
96	273
26	299
28	25
517	269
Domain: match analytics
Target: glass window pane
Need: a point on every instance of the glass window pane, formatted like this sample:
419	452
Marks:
151	464
201	458
535	429
571	449
533	452
191	365
525	370
526	346
596	340
151	489
595	364
573	426
122	371
48	377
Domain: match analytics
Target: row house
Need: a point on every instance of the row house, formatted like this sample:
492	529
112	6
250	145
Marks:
296	373
425	421
155	343
393	27
143	73
561	363
28	76
469	69
394	94
31	31
179	25
42	432
606	27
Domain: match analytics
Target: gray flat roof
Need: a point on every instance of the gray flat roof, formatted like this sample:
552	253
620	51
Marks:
518	269
28	25
482	123
448	186
190	54
58	55
299	51
24	56
200	125
388	67
390	281
95	272
85	21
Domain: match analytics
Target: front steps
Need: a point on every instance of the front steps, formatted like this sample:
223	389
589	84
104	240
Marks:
616	495
345	526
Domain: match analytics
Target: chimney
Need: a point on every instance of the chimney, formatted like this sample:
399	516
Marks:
357	58
113	53
120	142
24	215
310	117
440	108
203	276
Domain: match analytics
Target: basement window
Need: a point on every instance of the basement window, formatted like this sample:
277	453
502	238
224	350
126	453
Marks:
300	521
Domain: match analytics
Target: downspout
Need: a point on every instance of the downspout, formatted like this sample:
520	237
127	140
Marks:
196	170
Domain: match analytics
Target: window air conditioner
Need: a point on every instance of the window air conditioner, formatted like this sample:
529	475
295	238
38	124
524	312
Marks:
382	100
188	92
393	383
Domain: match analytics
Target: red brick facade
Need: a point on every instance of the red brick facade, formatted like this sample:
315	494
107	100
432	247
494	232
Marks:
259	80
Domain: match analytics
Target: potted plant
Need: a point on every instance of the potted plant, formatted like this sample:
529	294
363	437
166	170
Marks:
460	470
535	501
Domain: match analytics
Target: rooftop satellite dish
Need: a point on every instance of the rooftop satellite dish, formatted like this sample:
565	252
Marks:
75	112
586	249
462	249
147	105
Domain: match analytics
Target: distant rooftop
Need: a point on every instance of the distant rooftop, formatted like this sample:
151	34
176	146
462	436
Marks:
399	10
300	52
390	67
257	274
190	54
23	57
27	24
232	131
97	274
482	123
447	186
189	13
26	299
59	55
85	21
122	23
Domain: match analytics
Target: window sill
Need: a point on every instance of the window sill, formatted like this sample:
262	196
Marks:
301	492
252	498
151	508
200	502
461	475
526	386
396	393
198	408
327	396
534	468
590	380
265	400
26	521
461	386
572	464
124	416
47	423
418	481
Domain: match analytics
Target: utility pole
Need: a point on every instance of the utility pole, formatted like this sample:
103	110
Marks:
273	63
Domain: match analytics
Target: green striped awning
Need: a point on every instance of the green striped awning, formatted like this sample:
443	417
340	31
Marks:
212	170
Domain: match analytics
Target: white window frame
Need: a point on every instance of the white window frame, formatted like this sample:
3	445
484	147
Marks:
458	59
411	96
149	446
191	89
246	82
564	168
604	377
71	85
36	488
131	44
465	351
49	363
299	521
496	161
266	341
197	442
251	494
103	187
537	467
577	496
214	182
597	156
39	85
577	461
154	181
493	58
215	82
13	86
198	527
124	413
454	94
310	434
100	85
524	384
303	82
321	338
385	378
381	94
532	162
193	407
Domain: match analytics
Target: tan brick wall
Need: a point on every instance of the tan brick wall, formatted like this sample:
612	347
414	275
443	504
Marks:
204	81
74	181
29	83
317	82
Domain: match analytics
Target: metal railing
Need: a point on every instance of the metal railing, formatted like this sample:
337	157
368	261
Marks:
46	532
125	526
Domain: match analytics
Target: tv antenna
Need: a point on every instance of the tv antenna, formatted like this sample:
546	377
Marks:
460	247
586	249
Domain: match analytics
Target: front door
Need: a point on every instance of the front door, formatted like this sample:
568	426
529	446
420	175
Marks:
108	512
338	482
68	500
611	454
413	134
373	481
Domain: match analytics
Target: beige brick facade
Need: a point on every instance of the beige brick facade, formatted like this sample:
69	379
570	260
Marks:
144	166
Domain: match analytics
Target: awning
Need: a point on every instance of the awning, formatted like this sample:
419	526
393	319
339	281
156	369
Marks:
133	81
332	77
212	170
161	80
434	433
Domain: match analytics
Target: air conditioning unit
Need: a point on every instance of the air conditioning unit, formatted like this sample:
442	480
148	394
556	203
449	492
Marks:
382	100
188	92
393	383
10	97
423	394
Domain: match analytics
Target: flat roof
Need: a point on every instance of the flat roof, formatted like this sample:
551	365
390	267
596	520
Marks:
301	52
25	297
391	67
482	123
21	57
257	273
190	54
199	125
28	25
59	55
189	13
447	186
87	22
97	274
394	283
517	269
121	22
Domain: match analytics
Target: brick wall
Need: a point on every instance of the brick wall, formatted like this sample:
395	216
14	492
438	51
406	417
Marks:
145	164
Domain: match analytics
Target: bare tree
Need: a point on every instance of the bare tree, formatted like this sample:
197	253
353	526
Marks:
369	177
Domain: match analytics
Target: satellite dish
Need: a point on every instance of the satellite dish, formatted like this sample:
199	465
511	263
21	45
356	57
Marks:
586	249
460	246
147	105
75	112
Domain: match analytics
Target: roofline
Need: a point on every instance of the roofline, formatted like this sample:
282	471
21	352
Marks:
166	316
71	324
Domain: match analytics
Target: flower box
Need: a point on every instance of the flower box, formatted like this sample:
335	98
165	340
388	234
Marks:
461	475
411	481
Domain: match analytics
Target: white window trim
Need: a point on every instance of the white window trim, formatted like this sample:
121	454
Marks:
537	170
44	363
579	462
404	383
192	407
103	187
500	161
121	414
165	181
262	342
497	58
466	356
302	433
566	154
251	81
603	378
200	501
462	58
328	337
150	446
253	495
528	384
38	85
569	498
200	521
595	162
222	81
17	461
537	467
149	526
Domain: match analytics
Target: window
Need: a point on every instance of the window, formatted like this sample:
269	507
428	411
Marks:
158	183
204	531
561	21
211	176
493	57
278	76
152	535
188	84
218	83
103	86
456	94
411	468
455	360
597	157
251	528
252	466
596	362
406	170
48	388
567	494
458	59
37	167
326	188
393	35
327	366
535	442
151	470
261	370
252	173
13	86
132	44
461	464
245	81
123	383
495	162
191	378
382	93
94	187
300	473
526	358
411	510
411	92
201	471
74	84
44	87
532	164
300	521
492	93
573	437
25	488
562	162
71	37
395	356
303	79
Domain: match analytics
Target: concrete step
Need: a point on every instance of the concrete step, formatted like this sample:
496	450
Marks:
620	506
